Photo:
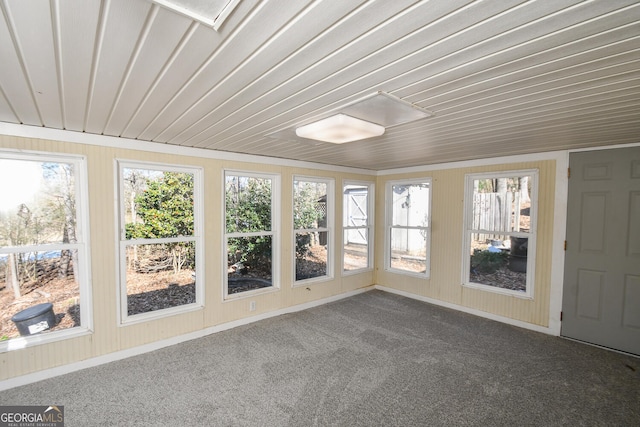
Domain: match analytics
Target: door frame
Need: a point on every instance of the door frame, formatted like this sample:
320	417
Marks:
559	238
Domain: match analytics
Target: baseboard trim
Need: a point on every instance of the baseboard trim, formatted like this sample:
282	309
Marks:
501	319
146	348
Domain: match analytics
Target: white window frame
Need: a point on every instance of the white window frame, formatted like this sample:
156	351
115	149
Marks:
389	227
123	317
329	229
531	235
369	225
274	233
82	246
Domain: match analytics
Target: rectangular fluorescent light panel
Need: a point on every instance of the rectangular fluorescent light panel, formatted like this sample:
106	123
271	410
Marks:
339	129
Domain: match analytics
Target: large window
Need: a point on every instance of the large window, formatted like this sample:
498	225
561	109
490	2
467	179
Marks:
357	225
250	232
500	213
313	224
408	229
44	290
160	240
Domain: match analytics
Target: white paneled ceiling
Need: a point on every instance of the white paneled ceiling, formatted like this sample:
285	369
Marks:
502	77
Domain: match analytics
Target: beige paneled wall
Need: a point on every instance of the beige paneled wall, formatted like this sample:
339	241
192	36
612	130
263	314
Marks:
444	283
108	336
446	253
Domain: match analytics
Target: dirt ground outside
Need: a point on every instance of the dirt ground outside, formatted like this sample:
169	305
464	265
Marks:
146	291
156	291
503	278
62	293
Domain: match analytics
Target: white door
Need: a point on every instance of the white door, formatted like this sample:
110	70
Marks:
601	298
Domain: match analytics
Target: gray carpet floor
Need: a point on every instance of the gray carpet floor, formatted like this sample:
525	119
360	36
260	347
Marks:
374	359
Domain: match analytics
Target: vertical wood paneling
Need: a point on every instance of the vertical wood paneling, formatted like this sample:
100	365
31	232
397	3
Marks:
192	51
160	38
213	253
103	247
108	336
446	247
14	83
546	209
446	255
256	30
37	54
6	112
75	29
285	68
504	78
120	30
446	238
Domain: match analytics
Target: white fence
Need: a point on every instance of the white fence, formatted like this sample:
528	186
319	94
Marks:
495	212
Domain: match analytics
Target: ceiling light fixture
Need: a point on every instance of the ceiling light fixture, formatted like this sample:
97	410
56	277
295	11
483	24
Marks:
365	118
339	129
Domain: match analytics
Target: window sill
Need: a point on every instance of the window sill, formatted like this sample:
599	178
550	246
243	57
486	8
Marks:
312	281
252	293
518	294
160	314
347	273
19	343
407	273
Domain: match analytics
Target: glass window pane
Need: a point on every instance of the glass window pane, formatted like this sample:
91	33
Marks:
502	204
356	249
355	205
160	276
29	279
309	204
37	203
248	204
409	250
311	255
157	204
499	261
249	263
410	205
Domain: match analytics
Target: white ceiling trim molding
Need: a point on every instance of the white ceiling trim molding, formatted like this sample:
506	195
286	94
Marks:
608	147
558	155
25	131
548	155
10	129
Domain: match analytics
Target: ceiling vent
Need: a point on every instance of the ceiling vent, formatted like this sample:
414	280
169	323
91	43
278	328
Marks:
209	12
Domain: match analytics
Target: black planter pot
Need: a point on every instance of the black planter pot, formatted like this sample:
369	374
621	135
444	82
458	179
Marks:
35	319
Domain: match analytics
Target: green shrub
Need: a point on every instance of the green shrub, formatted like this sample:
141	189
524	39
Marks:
488	262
